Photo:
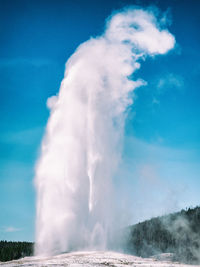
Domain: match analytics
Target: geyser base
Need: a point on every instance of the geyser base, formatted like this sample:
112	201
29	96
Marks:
91	259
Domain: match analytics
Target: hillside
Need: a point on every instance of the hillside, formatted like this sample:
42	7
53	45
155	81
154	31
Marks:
177	233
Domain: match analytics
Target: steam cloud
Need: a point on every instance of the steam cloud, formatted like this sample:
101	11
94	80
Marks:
83	141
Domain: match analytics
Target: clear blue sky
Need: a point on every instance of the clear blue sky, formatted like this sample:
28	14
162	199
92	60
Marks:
161	157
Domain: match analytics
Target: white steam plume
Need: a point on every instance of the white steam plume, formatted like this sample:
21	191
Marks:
82	145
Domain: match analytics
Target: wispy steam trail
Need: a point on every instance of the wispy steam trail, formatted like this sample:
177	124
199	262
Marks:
82	145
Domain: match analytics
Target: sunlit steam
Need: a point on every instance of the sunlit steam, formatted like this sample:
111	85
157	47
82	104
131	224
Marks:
83	141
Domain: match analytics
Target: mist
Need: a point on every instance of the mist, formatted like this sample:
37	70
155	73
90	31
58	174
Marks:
83	142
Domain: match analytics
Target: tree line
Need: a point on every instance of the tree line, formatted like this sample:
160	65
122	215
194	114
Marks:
176	233
14	250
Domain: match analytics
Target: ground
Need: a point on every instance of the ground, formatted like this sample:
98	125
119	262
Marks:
92	258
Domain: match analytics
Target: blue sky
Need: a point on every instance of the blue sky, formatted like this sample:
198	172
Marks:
160	167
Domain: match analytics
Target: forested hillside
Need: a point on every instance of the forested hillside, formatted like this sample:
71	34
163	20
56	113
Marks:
15	250
177	233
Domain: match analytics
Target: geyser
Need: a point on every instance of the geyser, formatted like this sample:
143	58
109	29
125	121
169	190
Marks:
83	141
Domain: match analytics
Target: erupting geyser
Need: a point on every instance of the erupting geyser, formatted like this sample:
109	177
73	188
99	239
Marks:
82	145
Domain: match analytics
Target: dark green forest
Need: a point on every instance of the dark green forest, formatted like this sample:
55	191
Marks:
15	250
177	233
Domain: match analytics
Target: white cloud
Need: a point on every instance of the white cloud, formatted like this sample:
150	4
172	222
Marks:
170	80
11	229
155	101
